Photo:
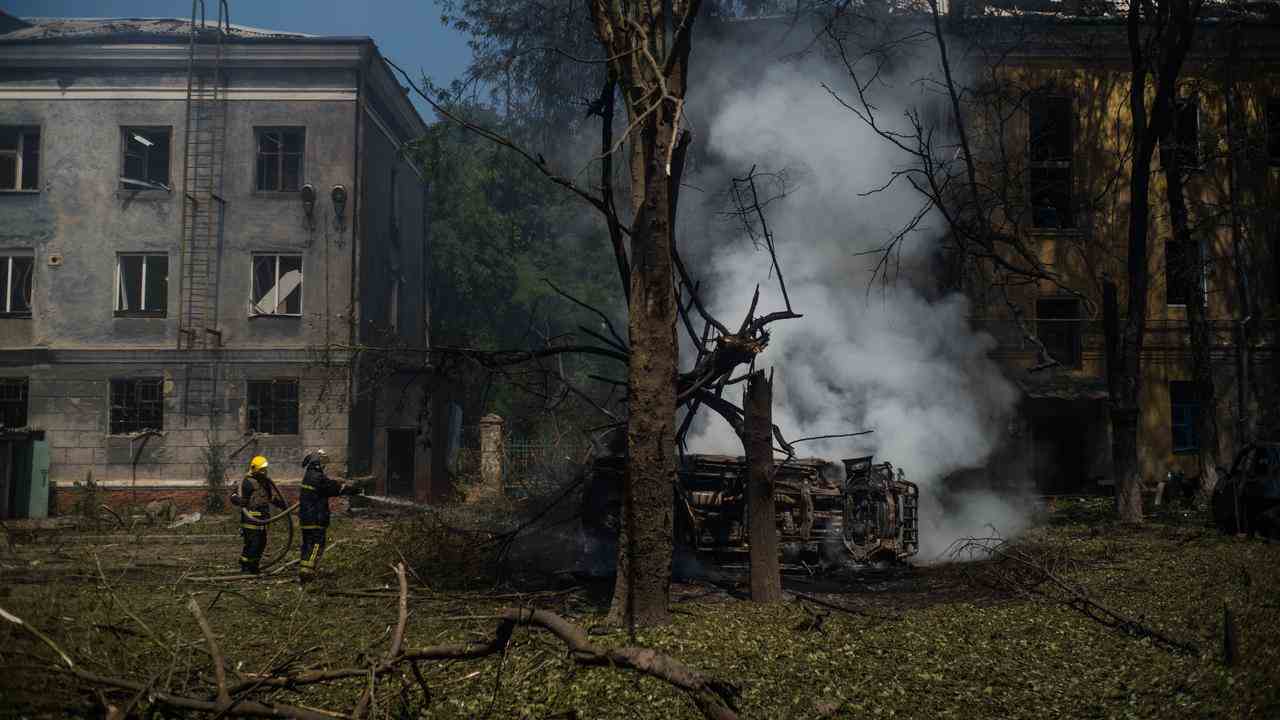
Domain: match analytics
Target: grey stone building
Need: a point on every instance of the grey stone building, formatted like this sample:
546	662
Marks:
197	226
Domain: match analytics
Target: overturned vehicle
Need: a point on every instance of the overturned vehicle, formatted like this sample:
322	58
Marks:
865	515
1247	498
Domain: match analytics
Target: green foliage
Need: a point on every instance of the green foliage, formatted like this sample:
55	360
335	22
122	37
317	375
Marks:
214	456
499	232
88	504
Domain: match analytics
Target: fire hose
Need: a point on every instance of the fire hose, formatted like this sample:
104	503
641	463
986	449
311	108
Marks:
288	544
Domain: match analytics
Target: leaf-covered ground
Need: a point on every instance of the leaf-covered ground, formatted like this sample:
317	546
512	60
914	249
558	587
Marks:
940	641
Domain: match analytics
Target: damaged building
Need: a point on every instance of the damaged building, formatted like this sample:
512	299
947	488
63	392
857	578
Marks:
199	223
1061	158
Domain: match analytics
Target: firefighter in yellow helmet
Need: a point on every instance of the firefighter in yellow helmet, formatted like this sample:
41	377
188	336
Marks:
256	496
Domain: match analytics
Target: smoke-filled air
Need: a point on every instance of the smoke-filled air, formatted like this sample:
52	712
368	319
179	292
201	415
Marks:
897	358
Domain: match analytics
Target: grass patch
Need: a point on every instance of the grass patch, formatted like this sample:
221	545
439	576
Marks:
935	644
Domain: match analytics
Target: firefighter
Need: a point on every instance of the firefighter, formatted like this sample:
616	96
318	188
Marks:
256	496
313	510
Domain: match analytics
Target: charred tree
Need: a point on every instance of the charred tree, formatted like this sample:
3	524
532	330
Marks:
757	405
648	49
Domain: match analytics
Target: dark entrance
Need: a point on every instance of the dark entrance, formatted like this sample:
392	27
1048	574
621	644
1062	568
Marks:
400	462
24	475
1063	444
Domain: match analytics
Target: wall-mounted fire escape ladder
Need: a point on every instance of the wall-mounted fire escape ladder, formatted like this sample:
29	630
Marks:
203	211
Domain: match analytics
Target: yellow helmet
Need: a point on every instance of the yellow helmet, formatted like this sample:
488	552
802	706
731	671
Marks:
257	463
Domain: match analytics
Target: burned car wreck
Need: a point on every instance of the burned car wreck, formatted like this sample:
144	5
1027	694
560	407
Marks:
866	514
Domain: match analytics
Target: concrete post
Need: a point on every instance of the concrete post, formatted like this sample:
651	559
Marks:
492	454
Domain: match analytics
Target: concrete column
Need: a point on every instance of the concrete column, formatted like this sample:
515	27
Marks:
492	454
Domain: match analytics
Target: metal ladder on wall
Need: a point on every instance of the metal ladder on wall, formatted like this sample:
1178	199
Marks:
203	211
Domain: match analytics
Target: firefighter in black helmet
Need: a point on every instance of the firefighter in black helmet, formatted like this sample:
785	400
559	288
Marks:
256	495
313	510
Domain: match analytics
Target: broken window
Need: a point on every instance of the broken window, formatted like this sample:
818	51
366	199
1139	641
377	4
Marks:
1273	131
1181	274
142	285
1184	411
19	158
273	406
277	285
1186	133
280	159
13	402
1050	167
1058	327
16	282
137	404
146	159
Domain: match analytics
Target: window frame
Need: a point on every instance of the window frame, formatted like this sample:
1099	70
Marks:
1201	282
141	312
6	283
1075	325
128	426
254	410
145	185
1271	118
258	133
1188	407
1193	162
23	401
1066	162
19	156
253	278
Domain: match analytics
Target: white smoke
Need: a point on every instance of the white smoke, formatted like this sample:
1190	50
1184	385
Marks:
882	358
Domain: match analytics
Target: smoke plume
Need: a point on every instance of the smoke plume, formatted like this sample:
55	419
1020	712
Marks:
900	358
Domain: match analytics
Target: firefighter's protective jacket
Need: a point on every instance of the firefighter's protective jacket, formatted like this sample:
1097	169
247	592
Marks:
257	494
313	501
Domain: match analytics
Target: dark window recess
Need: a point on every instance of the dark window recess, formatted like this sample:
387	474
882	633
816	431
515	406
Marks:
137	405
146	159
16	283
19	158
142	285
1273	131
1049	147
1184	409
13	402
1181	276
273	406
1186	132
1058	325
280	159
277	285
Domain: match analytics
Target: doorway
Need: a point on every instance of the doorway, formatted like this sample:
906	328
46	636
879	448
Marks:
400	450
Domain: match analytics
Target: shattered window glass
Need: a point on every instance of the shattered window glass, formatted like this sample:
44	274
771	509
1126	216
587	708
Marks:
13	402
277	285
142	285
16	283
273	406
137	405
1186	129
1184	409
1058	328
280	159
1050	150
146	159
19	158
1182	277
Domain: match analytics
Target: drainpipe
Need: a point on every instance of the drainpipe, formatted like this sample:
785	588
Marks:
353	329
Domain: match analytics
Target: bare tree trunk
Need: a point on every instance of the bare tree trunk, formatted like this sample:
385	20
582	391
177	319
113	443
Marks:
1124	417
757	405
1242	261
645	544
1172	161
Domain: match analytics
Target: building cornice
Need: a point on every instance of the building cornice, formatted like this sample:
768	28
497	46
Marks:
293	54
